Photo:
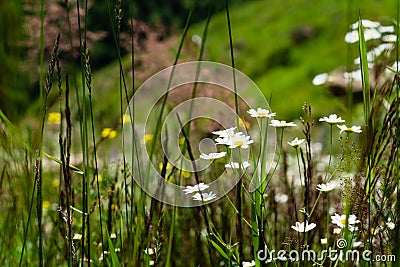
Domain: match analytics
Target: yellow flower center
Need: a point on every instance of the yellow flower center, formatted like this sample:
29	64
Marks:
238	143
343	221
262	114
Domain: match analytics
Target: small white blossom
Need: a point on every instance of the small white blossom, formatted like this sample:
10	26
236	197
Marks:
149	251
77	237
390	38
281	198
351	37
282	124
204	196
324	241
238	140
327	187
340	220
366	24
386	29
230	132
296	142
390	225
260	113
196	39
213	155
320	79
332	119
369	34
248	264
196	188
303	227
352	129
235	165
337	231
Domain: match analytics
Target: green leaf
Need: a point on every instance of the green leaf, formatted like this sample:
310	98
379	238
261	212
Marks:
72	168
114	257
220	250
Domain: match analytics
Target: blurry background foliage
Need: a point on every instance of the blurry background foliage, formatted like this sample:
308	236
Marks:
281	45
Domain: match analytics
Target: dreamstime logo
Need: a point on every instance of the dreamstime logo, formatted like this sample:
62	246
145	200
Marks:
333	254
164	103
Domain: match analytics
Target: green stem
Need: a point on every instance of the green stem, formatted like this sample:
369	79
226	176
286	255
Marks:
277	162
298	164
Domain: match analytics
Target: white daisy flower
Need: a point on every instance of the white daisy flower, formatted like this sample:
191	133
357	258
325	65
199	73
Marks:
366	24
327	187
296	142
340	220
213	155
320	79
303	227
206	196
235	165
351	37
332	119
196	188
369	34
386	29
391	38
282	124
230	132
238	140
352	129
226	136
260	113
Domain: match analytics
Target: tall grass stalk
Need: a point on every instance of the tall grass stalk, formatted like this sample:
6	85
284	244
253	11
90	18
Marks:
396	235
366	89
194	90
239	225
88	76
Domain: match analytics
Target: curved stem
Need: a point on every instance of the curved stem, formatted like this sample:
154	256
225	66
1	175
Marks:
277	162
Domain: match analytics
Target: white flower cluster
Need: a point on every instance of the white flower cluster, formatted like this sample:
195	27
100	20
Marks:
334	119
385	39
199	195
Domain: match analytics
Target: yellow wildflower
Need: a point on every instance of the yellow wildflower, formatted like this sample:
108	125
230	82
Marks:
55	183
54	118
147	138
46	204
126	118
108	133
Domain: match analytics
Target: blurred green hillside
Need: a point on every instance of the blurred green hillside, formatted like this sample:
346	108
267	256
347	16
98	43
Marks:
281	45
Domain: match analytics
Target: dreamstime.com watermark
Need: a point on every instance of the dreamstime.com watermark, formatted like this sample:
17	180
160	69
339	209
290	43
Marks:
331	254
